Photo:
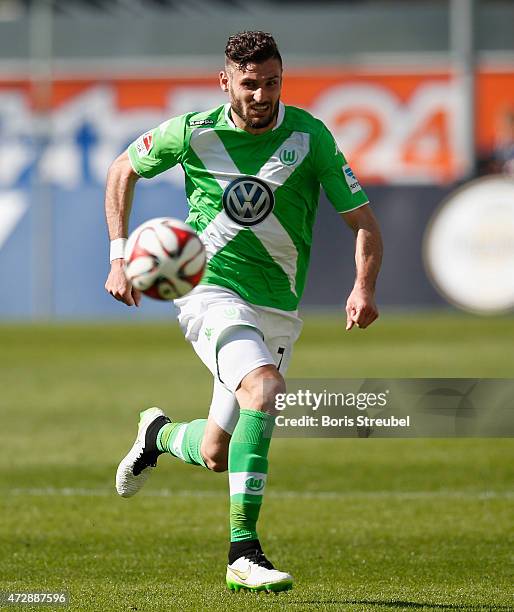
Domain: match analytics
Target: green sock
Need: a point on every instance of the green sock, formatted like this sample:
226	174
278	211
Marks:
183	440
248	470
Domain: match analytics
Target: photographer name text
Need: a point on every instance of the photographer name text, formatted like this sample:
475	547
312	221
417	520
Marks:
327	421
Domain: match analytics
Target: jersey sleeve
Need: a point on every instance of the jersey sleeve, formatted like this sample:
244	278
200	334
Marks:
335	175
159	149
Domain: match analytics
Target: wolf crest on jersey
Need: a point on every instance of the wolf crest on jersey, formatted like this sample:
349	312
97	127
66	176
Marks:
252	198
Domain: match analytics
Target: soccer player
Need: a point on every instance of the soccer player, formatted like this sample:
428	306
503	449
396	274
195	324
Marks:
253	169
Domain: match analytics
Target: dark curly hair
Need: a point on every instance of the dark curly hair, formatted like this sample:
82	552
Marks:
251	47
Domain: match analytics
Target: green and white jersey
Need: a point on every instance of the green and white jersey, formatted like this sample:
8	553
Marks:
253	198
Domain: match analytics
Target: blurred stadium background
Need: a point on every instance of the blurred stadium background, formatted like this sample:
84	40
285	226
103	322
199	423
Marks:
419	95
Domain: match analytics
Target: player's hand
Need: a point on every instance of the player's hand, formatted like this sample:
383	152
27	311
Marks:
119	287
361	309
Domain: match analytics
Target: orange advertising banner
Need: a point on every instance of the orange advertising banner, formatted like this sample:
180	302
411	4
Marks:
397	128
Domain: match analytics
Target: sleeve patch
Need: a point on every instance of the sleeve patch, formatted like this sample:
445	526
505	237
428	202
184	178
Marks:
351	179
144	144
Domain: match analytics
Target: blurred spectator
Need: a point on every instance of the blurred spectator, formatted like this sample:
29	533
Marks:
504	152
501	158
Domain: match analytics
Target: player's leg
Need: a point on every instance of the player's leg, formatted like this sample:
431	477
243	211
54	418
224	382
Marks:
202	442
158	434
199	442
205	442
223	416
255	390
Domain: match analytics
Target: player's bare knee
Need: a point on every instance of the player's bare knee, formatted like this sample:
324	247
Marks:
262	387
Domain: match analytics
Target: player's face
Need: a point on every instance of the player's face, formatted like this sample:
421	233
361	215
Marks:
254	94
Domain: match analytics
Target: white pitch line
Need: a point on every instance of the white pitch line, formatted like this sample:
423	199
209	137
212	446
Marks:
83	492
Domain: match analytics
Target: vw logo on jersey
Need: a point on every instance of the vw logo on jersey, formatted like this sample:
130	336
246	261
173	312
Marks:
248	200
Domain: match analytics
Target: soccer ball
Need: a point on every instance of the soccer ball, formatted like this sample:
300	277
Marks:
164	258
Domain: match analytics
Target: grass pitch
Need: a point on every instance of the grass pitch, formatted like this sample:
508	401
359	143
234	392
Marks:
361	524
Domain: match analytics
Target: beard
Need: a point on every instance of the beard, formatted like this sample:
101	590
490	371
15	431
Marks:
253	123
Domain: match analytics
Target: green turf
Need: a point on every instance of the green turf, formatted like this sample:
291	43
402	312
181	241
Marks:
361	524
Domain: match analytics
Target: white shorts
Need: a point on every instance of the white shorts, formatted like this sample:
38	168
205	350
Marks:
233	338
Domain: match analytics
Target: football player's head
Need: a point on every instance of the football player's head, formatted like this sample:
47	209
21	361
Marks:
253	79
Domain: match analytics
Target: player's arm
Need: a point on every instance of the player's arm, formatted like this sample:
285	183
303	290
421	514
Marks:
119	193
152	153
348	198
361	309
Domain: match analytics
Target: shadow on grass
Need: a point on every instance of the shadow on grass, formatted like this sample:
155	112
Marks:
405	604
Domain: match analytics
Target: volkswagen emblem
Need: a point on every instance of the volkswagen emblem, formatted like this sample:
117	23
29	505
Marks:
248	200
